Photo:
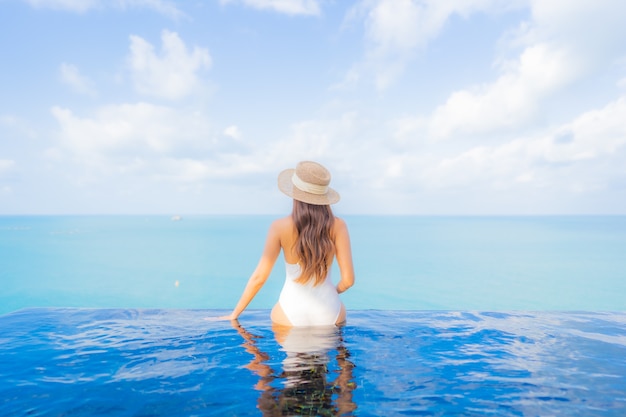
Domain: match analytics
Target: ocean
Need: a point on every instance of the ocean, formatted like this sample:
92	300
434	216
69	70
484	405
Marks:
561	263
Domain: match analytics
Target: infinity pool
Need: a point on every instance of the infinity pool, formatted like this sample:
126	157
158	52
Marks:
117	362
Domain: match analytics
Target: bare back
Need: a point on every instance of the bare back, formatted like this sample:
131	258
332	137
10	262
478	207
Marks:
287	233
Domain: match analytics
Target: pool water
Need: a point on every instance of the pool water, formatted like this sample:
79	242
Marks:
120	362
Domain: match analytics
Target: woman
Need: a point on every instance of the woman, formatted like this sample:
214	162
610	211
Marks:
310	238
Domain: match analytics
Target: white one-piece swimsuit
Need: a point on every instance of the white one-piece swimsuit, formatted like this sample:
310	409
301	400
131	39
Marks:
308	304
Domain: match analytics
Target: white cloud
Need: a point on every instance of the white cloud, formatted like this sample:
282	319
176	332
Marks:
509	101
185	170
317	139
150	141
222	167
71	76
324	140
394	29
592	135
6	165
292	7
595	29
136	129
164	7
232	132
78	6
556	52
172	74
587	153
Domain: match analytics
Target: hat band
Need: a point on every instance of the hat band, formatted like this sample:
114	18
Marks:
307	187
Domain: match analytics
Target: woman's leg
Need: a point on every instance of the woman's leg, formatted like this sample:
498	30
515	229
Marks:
279	317
341	319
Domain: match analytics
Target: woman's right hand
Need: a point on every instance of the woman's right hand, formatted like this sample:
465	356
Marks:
230	317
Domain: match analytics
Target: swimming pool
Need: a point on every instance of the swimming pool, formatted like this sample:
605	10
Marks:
120	362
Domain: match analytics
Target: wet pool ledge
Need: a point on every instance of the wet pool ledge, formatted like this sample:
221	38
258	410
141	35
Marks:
56	361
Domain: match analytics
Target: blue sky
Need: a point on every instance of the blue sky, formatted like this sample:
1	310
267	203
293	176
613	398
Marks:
417	107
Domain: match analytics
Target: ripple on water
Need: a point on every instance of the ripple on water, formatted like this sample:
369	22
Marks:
172	362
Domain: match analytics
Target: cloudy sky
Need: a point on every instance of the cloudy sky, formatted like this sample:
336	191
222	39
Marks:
416	106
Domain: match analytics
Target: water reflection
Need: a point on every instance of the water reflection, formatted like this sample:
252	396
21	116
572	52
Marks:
305	383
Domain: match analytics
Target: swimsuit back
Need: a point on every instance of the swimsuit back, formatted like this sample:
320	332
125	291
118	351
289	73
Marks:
308	304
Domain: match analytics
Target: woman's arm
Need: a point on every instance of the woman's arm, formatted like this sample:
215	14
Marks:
261	273
344	255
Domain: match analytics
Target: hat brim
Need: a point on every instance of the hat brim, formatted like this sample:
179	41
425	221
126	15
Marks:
286	187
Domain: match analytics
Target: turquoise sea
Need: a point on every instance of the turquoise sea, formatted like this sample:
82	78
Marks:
402	263
449	316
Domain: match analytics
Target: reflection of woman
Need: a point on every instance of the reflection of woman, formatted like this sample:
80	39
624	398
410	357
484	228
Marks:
310	238
305	386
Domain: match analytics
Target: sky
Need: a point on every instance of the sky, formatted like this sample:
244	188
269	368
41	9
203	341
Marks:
427	107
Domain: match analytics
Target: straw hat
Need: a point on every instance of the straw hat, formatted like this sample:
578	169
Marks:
308	183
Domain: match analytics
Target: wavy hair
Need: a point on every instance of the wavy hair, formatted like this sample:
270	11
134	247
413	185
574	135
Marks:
314	246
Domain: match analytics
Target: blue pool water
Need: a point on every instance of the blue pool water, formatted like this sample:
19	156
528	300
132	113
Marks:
100	362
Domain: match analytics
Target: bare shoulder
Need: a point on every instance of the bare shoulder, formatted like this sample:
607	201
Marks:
340	226
340	222
282	225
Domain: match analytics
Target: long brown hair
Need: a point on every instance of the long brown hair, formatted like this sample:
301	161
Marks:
314	246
